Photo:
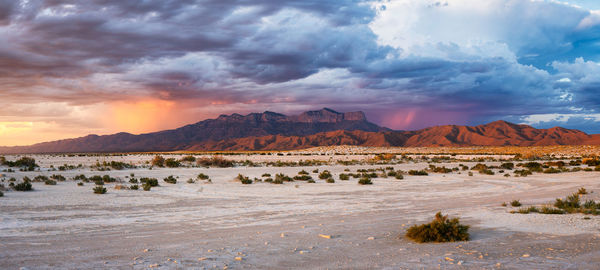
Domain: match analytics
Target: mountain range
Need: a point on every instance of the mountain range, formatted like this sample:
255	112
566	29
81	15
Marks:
325	127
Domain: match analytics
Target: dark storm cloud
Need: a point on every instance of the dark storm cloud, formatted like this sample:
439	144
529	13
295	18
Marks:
267	51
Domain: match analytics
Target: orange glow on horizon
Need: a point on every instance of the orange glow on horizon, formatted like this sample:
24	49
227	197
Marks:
141	116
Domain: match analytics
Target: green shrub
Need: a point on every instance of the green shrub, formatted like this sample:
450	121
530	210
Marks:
133	181
315	171
590	204
80	184
399	176
99	182
172	163
365	181
582	191
330	180
244	179
147	186
99	190
202	176
266	175
303	172
415	172
215	161
344	177
134	187
23	186
50	182
302	177
1	194
325	175
191	181
153	182
58	177
283	178
507	166
40	178
569	203
441	229
552	170
170	179
312	181
551	211
515	203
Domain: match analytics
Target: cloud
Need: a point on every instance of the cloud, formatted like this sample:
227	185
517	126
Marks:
452	61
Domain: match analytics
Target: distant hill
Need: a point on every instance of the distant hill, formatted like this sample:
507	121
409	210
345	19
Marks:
274	131
222	128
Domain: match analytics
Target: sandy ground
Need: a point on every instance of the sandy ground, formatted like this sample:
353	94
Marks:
266	226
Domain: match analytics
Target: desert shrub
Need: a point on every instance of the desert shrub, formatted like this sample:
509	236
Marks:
507	166
325	175
58	177
283	178
134	187
202	176
531	209
569	203
106	178
279	181
99	190
189	158
172	163
392	173
303	172
552	170
590	204
99	182
158	161
50	182
344	177
147	186
170	179
551	211
442	169
80	177
1	194
26	163
441	229
244	179
415	172
507	175
133	180
270	180
80	184
302	177
153	182
582	191
330	180
266	175
523	173
515	203
470	173
23	186
215	161
40	178
191	181
315	171
365	181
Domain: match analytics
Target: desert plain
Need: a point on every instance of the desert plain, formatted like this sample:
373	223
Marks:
224	224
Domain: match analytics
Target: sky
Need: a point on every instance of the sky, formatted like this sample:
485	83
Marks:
71	68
